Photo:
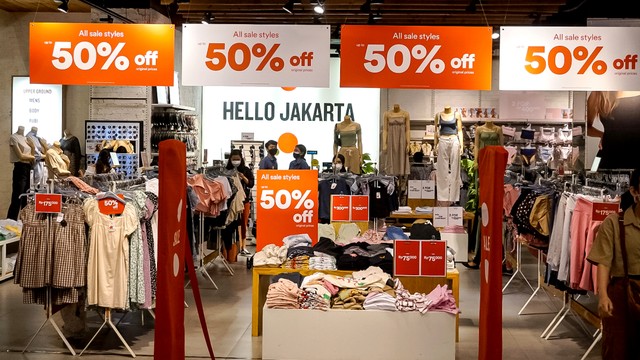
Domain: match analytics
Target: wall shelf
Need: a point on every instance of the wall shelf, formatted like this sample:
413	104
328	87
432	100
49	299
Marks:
173	106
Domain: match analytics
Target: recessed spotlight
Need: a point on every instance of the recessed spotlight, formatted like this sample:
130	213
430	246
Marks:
319	8
64	6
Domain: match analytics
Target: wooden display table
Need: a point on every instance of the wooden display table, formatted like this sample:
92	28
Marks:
262	279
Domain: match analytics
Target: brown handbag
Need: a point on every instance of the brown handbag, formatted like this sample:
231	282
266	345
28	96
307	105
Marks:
632	285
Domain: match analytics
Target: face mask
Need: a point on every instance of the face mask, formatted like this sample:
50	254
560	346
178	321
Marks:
236	163
338	167
273	151
296	155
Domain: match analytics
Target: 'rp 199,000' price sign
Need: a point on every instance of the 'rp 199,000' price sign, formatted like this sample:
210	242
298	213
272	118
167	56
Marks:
415	57
287	205
101	54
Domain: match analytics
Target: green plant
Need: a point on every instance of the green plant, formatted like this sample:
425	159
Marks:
367	166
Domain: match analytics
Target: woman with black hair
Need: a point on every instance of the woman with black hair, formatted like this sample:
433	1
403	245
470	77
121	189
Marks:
616	251
236	161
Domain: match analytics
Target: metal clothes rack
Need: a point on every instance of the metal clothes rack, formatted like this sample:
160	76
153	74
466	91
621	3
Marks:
48	304
107	321
518	270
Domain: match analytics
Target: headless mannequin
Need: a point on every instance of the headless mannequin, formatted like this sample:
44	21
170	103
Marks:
348	146
71	147
396	144
448	145
57	162
38	150
488	127
22	159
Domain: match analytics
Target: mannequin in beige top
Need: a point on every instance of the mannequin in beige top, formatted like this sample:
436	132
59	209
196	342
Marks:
57	162
396	141
347	140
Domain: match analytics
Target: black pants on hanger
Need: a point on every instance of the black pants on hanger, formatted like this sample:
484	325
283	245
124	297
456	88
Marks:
21	183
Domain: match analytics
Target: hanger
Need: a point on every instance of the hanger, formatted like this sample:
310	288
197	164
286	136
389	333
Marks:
109	195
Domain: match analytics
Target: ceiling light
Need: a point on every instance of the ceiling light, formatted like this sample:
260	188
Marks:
377	16
64	6
207	18
319	8
58	1
288	7
495	35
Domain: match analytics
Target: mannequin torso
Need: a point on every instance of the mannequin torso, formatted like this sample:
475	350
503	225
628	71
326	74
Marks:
487	134
396	141
20	148
348	142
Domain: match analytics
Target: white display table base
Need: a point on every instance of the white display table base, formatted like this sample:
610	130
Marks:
357	334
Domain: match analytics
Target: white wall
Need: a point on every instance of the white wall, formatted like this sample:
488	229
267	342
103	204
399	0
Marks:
14	60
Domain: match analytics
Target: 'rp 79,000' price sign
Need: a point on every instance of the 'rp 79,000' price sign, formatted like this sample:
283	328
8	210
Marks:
255	55
101	54
416	57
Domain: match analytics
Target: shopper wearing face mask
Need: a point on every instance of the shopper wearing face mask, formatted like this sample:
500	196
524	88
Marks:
270	162
246	177
299	162
337	164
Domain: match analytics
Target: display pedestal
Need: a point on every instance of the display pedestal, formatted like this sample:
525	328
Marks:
357	334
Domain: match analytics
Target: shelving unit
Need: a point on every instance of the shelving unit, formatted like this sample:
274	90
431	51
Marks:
98	131
178	122
5	273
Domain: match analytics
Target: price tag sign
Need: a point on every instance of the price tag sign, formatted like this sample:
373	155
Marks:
415	189
111	206
287	205
48	203
428	189
406	258
433	258
569	58
101	54
601	210
359	208
340	208
433	57
440	217
455	214
255	55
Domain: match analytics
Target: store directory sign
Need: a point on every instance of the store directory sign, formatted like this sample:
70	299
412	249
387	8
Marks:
287	205
38	105
255	55
101	54
569	58
423	57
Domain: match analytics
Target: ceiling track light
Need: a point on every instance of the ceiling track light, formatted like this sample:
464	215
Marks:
64	6
288	6
319	8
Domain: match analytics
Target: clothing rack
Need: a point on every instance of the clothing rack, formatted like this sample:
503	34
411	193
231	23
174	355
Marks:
49	302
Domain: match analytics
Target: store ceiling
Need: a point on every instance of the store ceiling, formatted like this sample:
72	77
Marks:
393	12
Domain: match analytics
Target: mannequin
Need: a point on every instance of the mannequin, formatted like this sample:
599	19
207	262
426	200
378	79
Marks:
57	162
448	144
347	141
21	157
487	134
396	141
71	147
38	149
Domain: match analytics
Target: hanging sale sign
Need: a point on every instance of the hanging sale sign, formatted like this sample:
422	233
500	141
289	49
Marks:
433	258
287	205
255	55
48	203
569	58
432	57
359	208
101	54
340	205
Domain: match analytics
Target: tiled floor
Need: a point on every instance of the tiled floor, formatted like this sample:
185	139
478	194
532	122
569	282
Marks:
228	314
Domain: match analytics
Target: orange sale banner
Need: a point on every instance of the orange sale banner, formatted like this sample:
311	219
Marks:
287	205
101	54
431	57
